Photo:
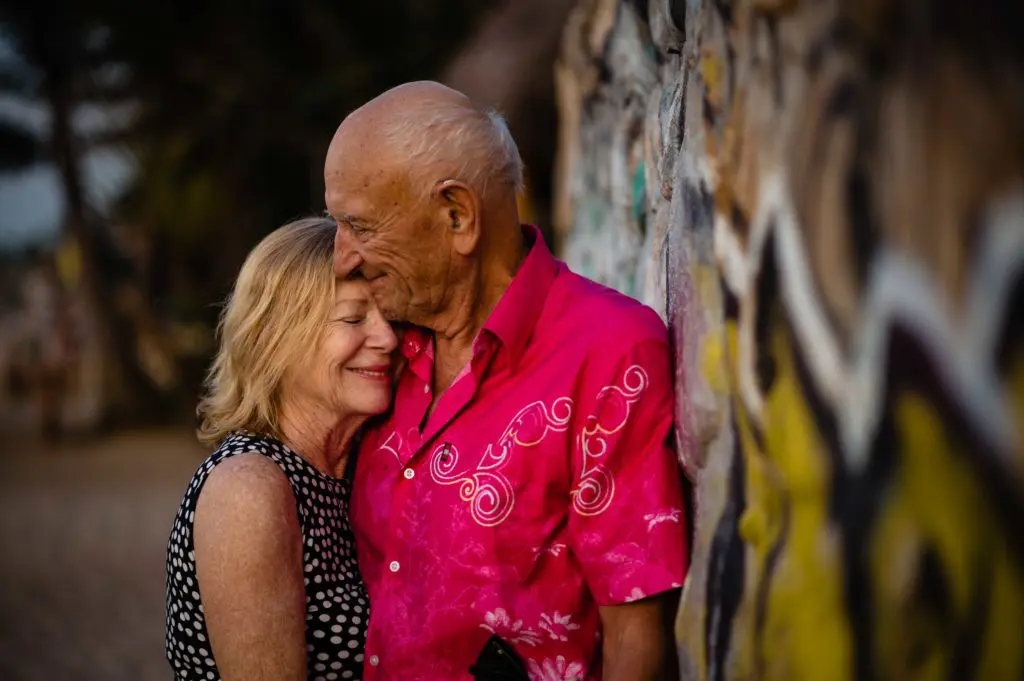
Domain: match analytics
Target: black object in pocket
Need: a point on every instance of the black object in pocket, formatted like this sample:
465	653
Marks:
498	661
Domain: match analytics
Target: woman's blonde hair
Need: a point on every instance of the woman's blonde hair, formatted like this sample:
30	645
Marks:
273	317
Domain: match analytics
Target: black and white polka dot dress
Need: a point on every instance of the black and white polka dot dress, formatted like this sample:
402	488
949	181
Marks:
337	607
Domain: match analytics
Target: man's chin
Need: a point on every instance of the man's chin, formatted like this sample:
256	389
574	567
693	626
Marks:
390	314
392	311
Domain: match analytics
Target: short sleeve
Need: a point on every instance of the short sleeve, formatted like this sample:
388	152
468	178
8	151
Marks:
626	521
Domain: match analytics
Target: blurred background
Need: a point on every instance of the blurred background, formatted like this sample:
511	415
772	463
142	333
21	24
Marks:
673	147
144	148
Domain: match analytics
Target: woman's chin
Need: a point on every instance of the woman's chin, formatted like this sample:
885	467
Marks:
375	405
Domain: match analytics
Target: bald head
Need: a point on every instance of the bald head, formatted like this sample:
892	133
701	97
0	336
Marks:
395	106
428	131
422	184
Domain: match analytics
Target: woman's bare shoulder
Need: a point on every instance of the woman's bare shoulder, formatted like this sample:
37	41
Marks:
243	493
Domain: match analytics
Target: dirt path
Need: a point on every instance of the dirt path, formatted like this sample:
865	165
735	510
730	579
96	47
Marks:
82	536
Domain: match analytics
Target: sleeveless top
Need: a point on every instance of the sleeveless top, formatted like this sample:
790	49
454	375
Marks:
337	607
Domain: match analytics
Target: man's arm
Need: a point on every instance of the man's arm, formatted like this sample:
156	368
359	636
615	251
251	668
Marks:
638	645
627	524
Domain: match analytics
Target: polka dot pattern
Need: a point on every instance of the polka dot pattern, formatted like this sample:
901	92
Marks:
337	606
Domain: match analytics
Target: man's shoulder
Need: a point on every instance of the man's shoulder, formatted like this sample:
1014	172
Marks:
601	314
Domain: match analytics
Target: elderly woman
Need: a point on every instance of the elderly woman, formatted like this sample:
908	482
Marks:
262	580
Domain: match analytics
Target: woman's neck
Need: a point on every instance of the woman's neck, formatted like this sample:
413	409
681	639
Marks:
321	438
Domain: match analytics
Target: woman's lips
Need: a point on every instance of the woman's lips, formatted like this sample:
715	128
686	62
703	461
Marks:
375	373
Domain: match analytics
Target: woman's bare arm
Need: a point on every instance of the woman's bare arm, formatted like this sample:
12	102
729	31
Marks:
248	547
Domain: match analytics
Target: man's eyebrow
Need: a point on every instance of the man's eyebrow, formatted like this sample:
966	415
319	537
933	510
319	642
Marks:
344	217
350	219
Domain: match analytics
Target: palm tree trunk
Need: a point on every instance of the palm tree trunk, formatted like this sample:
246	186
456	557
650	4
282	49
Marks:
94	289
50	37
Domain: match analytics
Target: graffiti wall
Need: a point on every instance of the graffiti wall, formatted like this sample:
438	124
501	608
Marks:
825	200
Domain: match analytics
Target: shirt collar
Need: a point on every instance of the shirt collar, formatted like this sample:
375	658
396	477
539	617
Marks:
514	318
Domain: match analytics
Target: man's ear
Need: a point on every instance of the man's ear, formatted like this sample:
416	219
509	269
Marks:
461	214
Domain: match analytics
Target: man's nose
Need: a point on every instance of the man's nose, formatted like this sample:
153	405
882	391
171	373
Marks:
347	260
382	335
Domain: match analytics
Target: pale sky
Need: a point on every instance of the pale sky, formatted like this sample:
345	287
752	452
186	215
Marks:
31	202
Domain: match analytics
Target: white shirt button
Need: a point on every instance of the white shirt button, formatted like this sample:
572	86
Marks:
374	660
426	389
409	474
394	566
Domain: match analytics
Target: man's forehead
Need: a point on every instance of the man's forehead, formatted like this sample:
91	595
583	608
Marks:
349	190
347	166
346	170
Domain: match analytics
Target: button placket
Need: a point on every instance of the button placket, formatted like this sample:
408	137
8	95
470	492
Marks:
393	546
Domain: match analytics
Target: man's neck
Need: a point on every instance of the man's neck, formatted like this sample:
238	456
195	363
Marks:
453	345
453	342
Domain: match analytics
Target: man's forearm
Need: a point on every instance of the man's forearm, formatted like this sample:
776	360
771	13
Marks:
634	657
637	641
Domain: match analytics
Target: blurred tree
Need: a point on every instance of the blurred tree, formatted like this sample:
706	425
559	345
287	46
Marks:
58	62
236	105
229	109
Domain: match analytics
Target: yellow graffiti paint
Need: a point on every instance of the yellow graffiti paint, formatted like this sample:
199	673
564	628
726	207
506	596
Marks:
753	523
936	513
807	635
712	362
712	71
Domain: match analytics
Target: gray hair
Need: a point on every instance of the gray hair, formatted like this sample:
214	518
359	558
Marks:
476	145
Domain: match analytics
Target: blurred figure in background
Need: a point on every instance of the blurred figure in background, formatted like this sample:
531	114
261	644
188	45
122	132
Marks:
47	349
262	580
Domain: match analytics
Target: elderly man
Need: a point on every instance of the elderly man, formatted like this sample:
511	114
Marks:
523	485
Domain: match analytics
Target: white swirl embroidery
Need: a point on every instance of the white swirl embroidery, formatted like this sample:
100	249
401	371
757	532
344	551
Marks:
596	488
486	488
554	550
658	517
393	444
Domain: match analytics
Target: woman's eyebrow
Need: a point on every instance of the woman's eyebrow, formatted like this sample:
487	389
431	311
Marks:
359	301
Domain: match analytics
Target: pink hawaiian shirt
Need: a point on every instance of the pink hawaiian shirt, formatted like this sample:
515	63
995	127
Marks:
542	486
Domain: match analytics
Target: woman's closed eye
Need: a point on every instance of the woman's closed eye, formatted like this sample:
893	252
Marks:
352	320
